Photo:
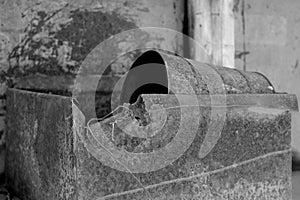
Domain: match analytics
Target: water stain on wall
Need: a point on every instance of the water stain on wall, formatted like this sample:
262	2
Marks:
56	44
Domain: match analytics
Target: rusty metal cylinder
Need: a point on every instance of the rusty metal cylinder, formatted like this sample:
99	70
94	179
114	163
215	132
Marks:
161	73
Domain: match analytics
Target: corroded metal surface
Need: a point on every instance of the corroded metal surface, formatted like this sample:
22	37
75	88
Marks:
182	76
185	76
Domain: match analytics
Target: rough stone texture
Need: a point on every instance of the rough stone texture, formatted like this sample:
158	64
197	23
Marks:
267	177
2	167
52	38
51	156
267	40
41	162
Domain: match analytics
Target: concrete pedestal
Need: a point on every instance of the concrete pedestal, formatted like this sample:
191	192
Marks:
51	154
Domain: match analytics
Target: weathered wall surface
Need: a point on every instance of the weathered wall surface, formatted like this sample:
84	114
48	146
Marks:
267	40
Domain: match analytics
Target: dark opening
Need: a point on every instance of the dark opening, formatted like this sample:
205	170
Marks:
148	57
151	88
148	75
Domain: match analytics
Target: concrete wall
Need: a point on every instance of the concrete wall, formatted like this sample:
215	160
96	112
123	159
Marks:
267	36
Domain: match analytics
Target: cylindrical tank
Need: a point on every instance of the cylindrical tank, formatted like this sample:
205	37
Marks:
159	72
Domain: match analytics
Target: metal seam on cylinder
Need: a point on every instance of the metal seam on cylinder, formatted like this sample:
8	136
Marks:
265	79
245	76
217	71
205	87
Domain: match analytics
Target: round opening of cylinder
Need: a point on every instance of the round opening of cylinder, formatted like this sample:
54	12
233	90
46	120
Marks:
151	88
147	75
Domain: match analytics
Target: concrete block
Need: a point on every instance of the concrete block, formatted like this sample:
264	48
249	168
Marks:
52	155
46	167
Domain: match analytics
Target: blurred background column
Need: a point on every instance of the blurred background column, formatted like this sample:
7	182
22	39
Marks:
212	26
